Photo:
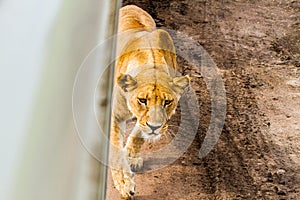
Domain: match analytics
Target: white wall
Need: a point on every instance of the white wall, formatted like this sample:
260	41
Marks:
42	44
24	28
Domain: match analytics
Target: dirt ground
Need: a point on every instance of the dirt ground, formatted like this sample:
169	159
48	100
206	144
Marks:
255	44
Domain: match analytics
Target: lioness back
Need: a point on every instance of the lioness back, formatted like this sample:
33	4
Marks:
134	18
143	44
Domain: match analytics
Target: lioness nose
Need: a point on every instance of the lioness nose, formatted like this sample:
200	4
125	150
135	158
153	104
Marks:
153	128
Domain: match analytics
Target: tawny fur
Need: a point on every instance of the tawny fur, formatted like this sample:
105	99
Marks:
146	88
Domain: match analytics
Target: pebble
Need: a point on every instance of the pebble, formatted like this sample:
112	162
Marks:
294	95
294	82
280	191
280	171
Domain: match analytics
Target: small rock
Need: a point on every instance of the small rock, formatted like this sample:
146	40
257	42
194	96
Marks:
294	95
195	163
253	85
280	191
293	83
280	172
297	63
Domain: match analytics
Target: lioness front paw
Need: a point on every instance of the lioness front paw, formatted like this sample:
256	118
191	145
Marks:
124	182
129	186
136	163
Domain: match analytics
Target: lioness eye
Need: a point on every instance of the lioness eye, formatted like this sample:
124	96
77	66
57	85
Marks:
142	101
167	102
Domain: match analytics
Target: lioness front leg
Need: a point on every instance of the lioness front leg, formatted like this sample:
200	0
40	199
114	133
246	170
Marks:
122	175
124	181
133	149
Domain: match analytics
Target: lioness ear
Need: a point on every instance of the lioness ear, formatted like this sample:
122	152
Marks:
126	82
182	82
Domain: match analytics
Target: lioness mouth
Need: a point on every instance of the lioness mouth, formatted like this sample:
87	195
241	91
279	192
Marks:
153	133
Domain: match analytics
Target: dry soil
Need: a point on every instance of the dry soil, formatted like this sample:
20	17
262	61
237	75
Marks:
255	45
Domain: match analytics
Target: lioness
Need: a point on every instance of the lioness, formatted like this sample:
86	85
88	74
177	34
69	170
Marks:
146	88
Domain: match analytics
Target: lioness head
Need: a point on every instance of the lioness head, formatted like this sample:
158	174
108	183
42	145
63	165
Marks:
152	102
